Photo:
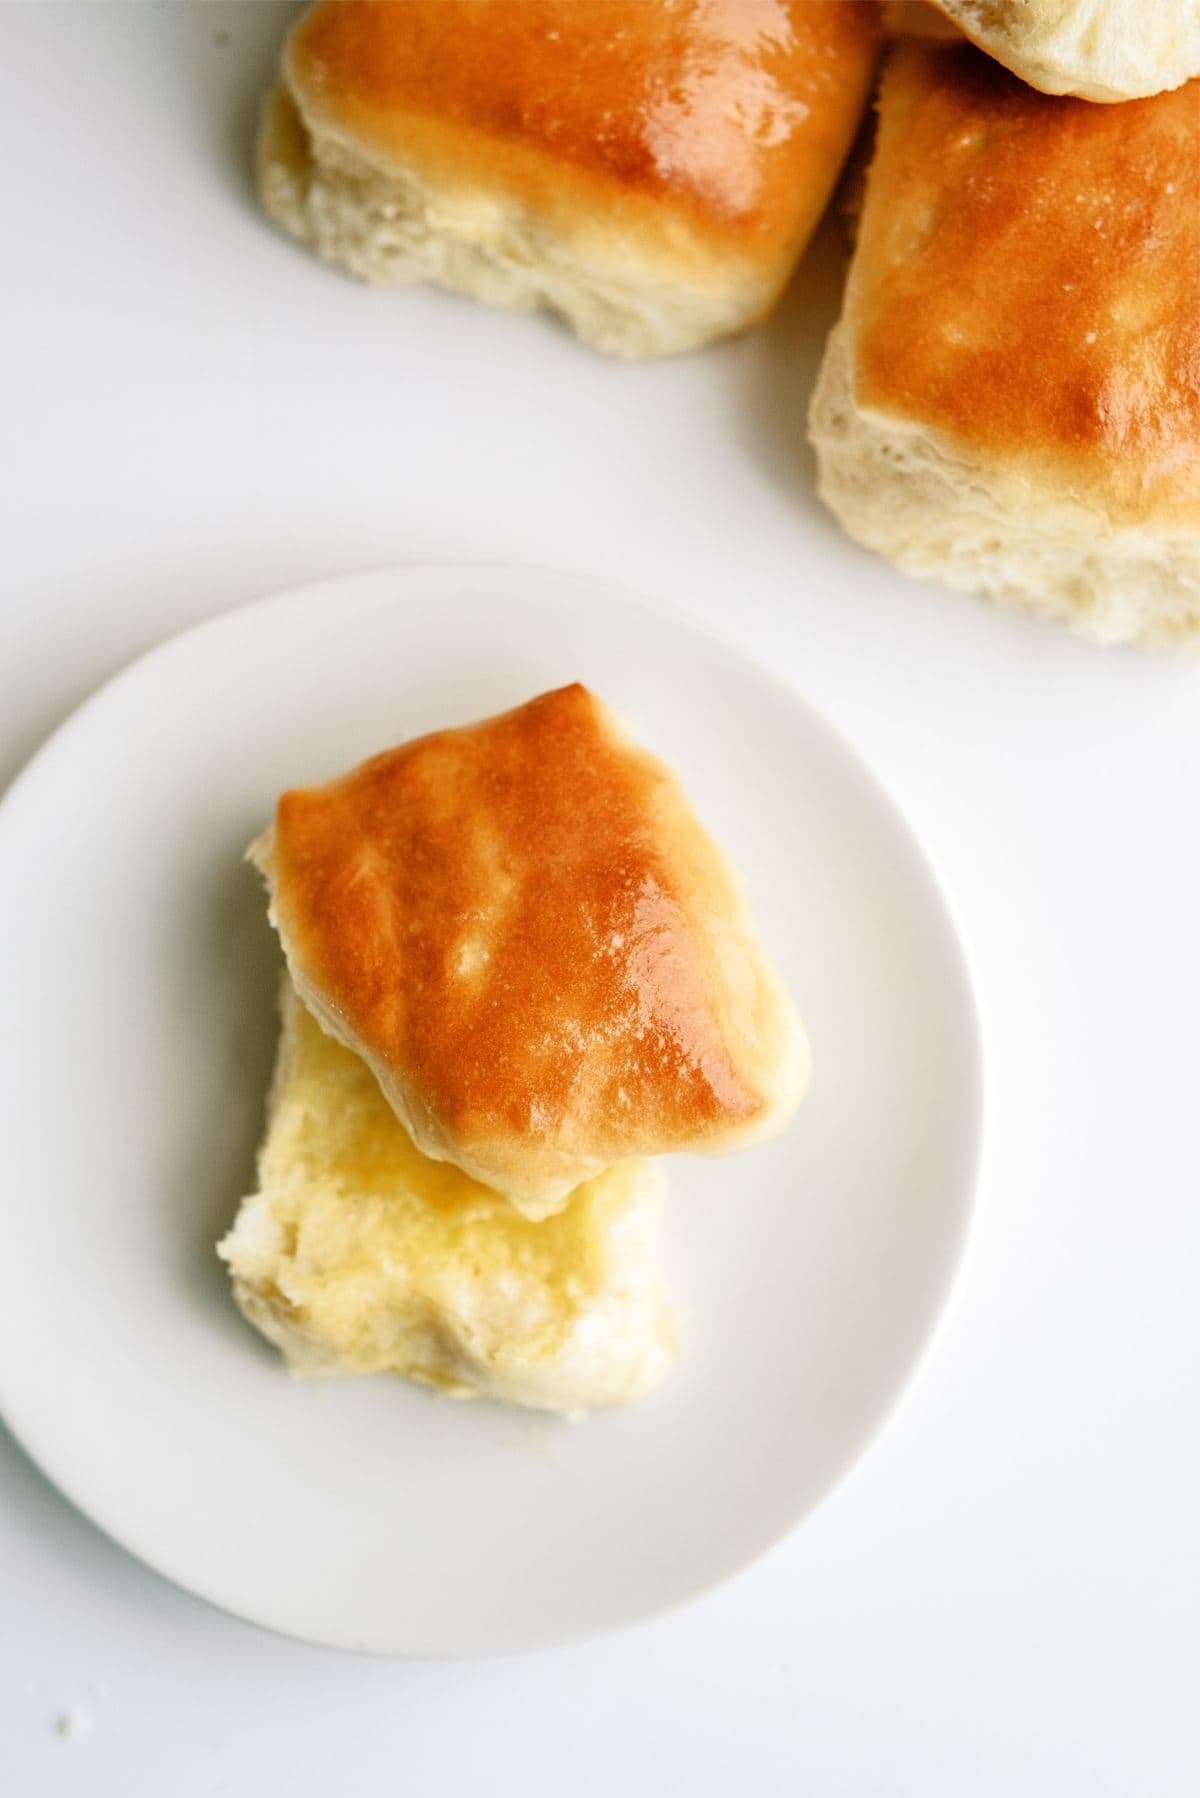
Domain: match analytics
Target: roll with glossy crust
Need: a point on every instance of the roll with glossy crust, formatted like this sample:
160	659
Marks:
548	965
651	169
1011	401
1097	49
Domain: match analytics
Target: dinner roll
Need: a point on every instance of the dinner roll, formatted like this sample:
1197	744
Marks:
357	1255
1011	401
547	964
649	170
1098	49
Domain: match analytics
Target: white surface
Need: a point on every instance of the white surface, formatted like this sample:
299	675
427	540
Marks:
370	1515
1003	1597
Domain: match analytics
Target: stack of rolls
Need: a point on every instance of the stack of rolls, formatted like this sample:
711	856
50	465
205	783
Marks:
519	973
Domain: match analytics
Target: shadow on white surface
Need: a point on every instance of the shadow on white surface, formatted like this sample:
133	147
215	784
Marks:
221	60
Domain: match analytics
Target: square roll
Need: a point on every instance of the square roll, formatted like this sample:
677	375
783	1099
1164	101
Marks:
1011	401
650	169
523	929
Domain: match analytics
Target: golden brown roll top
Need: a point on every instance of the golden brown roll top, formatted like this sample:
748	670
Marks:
1027	279
725	110
650	169
524	930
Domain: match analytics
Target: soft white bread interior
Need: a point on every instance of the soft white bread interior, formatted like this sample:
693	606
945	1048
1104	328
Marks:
1011	401
358	1255
393	229
1097	49
650	172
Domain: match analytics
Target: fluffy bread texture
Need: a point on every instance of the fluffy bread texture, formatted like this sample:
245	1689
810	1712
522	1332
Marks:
649	171
523	929
357	1255
1011	400
1095	49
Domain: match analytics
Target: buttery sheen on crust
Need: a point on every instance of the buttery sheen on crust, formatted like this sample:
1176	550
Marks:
651	169
357	1255
546	962
1012	398
1097	49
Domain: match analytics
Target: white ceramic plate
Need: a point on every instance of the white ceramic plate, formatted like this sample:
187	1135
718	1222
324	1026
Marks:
139	975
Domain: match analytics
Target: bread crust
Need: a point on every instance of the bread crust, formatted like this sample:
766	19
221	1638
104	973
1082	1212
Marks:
525	932
1027	278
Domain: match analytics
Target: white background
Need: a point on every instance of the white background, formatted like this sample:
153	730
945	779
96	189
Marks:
1004	1597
